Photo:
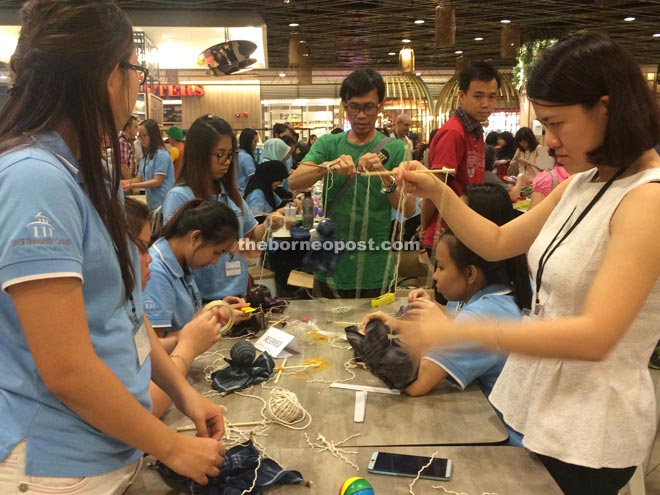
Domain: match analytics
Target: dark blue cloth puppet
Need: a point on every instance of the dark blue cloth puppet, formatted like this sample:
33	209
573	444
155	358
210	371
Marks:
243	369
324	259
236	474
382	354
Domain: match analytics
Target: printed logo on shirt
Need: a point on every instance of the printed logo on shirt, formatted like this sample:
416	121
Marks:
41	227
40	232
148	304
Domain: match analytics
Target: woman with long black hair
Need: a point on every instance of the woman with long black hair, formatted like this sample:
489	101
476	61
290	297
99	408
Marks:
77	355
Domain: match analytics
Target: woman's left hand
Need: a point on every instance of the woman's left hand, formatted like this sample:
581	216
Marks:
207	416
237	303
424	325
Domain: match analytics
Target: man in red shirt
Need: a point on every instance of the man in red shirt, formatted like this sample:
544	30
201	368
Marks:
459	143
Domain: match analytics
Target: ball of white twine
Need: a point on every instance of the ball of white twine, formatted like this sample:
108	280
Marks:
283	407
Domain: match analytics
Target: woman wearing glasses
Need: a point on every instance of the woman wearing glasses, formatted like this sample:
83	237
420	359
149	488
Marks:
156	171
209	172
193	237
77	358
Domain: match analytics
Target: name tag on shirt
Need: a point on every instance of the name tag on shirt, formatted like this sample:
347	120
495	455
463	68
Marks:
142	342
232	268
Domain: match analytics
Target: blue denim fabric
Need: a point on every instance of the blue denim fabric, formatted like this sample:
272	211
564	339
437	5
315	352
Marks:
236	474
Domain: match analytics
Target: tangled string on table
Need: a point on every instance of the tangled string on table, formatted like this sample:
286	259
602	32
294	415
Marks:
333	448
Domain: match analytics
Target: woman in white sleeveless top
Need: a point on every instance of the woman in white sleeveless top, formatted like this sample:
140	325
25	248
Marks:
576	383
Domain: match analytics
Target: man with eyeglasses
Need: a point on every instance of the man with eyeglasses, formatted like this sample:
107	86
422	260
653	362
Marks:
337	158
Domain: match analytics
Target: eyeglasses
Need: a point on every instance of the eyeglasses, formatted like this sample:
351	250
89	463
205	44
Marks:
224	155
143	72
353	109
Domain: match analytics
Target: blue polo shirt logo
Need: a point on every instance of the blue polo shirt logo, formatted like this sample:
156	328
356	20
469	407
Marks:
41	227
39	232
148	304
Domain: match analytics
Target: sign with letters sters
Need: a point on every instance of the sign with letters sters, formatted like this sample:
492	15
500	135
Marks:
279	344
175	90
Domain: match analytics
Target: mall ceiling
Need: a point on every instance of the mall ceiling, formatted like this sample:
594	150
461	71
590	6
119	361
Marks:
346	33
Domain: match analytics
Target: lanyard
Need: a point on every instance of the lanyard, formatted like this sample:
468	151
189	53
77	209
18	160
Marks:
193	295
133	317
189	288
555	242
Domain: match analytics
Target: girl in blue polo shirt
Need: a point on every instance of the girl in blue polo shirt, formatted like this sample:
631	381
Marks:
194	237
479	288
156	168
76	355
209	172
260	192
202	331
482	289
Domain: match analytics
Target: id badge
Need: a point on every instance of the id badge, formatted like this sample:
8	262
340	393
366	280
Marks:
232	268
142	342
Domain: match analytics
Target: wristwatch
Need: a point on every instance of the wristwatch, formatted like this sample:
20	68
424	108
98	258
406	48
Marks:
391	188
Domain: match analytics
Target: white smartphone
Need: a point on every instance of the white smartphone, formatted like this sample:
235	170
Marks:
409	465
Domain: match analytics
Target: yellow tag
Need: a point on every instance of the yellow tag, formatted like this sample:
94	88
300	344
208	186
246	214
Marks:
248	309
383	300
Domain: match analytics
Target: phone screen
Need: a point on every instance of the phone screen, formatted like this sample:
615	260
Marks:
409	465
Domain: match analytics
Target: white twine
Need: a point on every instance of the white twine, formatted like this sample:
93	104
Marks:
437	487
333	448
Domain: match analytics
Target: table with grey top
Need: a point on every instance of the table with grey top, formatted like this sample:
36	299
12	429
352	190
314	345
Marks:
461	425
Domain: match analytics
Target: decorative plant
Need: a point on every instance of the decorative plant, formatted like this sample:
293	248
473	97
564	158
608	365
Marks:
527	55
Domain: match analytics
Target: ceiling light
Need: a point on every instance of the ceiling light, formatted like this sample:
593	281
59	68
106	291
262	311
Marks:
505	21
293	24
458	52
418	74
419	21
405	40
478	38
282	74
629	19
301	41
3	77
392	53
656	35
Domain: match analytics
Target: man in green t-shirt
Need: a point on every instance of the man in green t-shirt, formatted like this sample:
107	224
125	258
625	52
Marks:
363	272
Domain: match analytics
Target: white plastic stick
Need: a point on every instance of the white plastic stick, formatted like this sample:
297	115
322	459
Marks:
366	388
360	406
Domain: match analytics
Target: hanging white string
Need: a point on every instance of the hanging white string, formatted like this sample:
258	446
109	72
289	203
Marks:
397	235
364	232
267	232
